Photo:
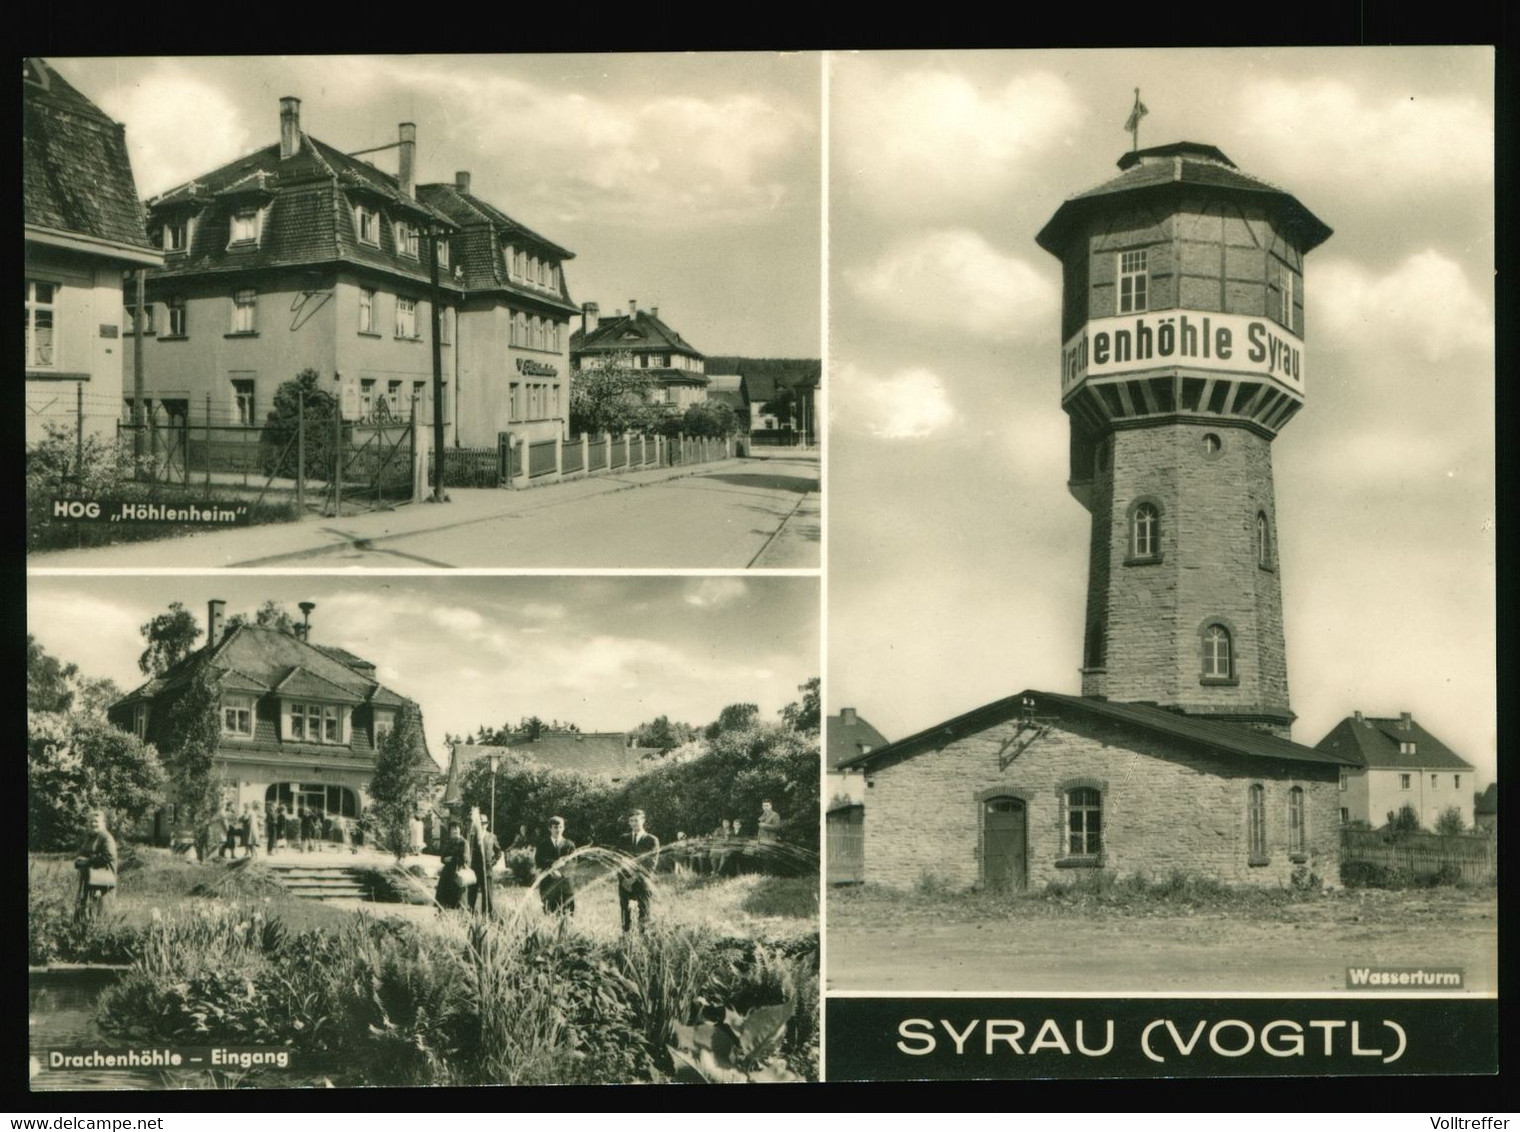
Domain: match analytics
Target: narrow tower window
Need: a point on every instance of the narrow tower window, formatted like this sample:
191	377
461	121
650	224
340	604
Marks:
1145	538
1256	824
1263	542
1296	837
1217	653
1133	278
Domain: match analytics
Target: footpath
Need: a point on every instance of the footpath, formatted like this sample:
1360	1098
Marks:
266	543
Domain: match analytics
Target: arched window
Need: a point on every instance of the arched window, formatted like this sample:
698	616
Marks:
1084	822
1145	531
1263	541
1297	839
1218	653
1256	823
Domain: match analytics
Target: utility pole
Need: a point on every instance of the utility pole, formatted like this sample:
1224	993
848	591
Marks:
439	495
139	380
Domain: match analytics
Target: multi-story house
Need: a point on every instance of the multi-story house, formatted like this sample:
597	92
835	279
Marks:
299	256
300	723
83	228
675	369
1404	765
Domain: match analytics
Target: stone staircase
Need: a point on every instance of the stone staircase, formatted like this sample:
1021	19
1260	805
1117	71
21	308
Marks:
313	880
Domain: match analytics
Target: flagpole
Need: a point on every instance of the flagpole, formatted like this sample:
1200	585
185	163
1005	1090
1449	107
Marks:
1134	130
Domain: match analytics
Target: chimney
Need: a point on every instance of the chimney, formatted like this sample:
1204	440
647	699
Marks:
1358	717
462	180
847	717
306	607
591	318
407	175
654	312
1406	721
290	127
215	608
633	308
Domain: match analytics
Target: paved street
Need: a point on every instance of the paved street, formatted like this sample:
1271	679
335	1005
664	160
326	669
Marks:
732	514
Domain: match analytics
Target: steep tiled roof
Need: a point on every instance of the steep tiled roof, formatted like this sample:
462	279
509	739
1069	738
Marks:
763	376
1179	167
1376	743
639	331
846	740
596	754
1212	735
75	172
1488	801
310	197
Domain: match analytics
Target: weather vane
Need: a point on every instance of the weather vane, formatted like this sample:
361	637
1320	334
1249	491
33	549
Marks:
1132	123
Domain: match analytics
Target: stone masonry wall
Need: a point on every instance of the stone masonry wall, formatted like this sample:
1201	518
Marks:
1165	807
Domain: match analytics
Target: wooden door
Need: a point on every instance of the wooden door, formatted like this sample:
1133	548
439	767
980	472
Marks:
847	845
1005	865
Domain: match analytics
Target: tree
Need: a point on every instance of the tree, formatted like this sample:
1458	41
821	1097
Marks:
194	733
805	714
302	396
662	734
612	397
1449	821
77	763
709	419
735	717
782	406
96	695
1407	820
49	682
270	615
403	776
171	637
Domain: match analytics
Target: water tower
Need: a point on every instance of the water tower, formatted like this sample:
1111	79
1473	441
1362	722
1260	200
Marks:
1182	329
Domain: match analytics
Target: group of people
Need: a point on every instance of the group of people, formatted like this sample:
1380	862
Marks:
470	851
233	833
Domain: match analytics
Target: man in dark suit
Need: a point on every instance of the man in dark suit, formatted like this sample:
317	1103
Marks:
556	889
484	852
633	878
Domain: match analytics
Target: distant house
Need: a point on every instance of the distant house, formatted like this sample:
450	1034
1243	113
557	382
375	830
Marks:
1401	763
676	369
848	737
1486	808
729	389
607	755
777	382
83	229
300	723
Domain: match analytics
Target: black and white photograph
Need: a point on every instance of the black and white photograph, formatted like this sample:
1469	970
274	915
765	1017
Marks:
318	312
308	831
1161	583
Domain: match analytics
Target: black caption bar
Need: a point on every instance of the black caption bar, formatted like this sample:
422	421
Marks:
213	513
966	1039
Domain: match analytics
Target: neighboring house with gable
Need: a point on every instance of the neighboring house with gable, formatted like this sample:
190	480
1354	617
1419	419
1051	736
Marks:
674	368
847	737
774	382
83	227
729	389
300	723
1486	808
1397	762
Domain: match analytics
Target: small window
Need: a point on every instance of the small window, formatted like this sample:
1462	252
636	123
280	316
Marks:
514	402
419	398
179	322
1284	282
1406	748
1212	445
1145	532
245	226
176	235
1345	780
244	303
445	327
1256	824
393	397
1218	653
366	310
367	220
1345	816
1432	782
385	723
406	239
40	312
366	396
129	318
237	716
1456	781
1084	822
443	252
140	720
1263	541
1297	835
406	318
1404	782
1132	282
242	396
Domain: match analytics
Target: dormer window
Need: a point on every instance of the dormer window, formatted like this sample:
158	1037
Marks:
406	239
307	722
385	723
443	252
237	717
140	720
1406	748
245	225
367	221
174	235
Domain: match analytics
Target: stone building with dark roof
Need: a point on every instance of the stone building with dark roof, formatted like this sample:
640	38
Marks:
299	256
1397	763
84	228
674	368
300	723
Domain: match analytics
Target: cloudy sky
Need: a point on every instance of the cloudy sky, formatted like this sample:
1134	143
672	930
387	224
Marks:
957	559
687	182
604	653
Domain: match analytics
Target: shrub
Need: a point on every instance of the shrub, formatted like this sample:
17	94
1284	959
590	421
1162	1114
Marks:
1449	822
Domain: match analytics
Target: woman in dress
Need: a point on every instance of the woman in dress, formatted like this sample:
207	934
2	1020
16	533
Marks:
454	853
96	863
